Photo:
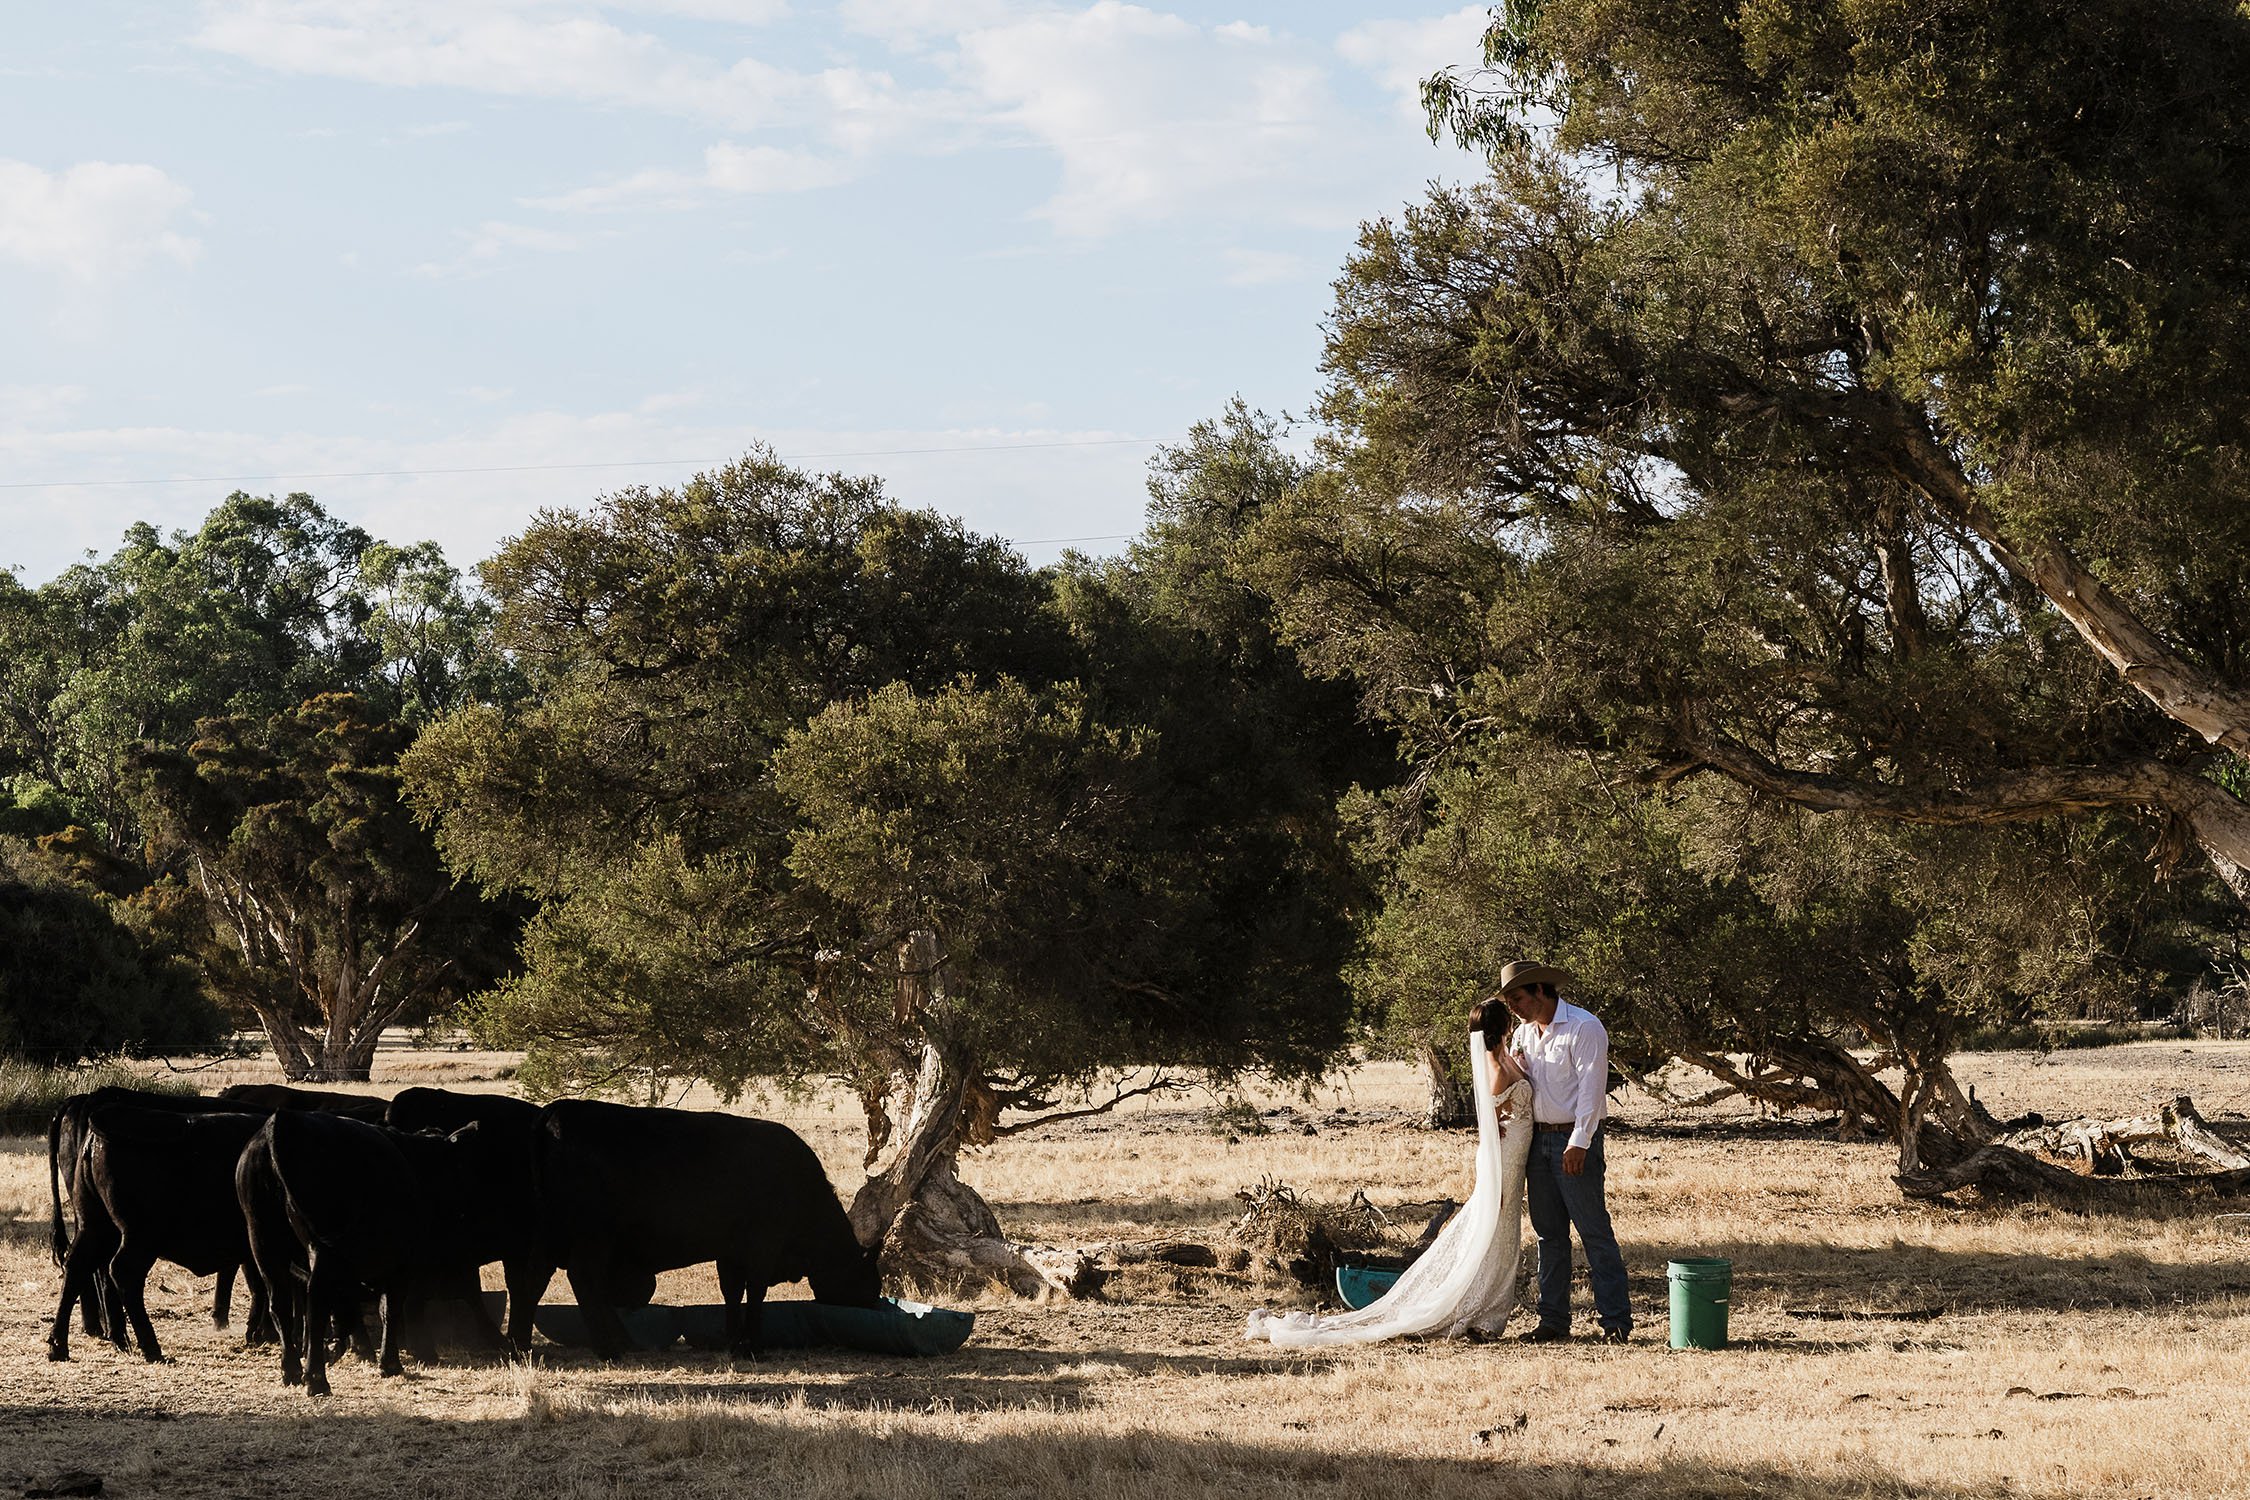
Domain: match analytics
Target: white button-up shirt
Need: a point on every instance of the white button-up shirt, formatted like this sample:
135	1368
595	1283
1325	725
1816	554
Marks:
1568	1060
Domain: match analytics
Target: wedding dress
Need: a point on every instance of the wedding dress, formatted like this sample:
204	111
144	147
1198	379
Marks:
1467	1278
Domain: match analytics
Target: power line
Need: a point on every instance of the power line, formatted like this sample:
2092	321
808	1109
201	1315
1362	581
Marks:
641	463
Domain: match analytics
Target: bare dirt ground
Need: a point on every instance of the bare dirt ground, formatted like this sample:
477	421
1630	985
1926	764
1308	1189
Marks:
1882	1349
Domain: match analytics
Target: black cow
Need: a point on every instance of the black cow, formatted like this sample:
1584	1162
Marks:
66	1137
368	1107
360	1204
626	1193
150	1185
510	1126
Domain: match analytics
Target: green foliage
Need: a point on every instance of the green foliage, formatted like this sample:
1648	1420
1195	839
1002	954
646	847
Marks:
1778	441
268	603
334	913
1701	924
1803	393
83	976
783	727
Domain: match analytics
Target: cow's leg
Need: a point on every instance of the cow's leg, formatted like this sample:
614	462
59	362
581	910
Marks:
113	1307
396	1308
222	1297
527	1283
589	1283
129	1269
282	1297
323	1291
750	1340
88	1251
733	1276
258	1323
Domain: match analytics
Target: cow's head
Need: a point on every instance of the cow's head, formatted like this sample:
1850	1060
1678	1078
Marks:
857	1282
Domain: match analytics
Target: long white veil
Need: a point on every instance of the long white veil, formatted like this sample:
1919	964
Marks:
1467	1277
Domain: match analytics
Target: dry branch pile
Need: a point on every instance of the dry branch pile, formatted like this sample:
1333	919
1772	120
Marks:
1285	1232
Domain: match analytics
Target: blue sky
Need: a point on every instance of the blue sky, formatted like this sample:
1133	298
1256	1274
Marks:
355	237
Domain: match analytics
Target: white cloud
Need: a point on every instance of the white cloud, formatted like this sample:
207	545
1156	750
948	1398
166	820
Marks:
92	219
492	243
287	388
31	406
727	168
1400	54
540	49
911	24
1153	117
1150	117
740	12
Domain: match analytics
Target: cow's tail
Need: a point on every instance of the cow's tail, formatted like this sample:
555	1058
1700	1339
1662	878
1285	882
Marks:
54	1186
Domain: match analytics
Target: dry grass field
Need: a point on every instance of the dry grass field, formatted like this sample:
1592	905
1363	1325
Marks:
1884	1349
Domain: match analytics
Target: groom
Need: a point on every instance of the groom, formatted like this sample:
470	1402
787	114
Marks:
1566	1052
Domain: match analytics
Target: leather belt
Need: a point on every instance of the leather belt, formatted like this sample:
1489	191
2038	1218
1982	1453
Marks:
1541	1127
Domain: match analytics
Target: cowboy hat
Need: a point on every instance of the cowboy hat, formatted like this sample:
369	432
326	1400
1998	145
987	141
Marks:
1524	972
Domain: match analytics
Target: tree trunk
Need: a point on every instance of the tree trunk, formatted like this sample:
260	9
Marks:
1450	1104
349	989
935	1229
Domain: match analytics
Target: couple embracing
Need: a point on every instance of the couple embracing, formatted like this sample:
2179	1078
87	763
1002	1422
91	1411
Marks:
1541	1091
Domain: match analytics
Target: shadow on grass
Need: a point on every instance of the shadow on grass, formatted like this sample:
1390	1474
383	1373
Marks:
977	1379
1922	1283
714	1449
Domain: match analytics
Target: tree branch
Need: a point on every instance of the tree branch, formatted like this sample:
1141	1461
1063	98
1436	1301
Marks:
1158	1084
2183	691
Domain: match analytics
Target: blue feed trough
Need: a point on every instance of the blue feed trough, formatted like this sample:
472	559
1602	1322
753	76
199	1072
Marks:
892	1327
1360	1285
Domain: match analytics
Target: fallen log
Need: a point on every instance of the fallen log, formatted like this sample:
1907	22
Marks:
2187	1128
2003	1172
2105	1145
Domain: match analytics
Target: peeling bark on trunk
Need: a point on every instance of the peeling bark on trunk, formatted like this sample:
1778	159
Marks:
933	1228
1449	1105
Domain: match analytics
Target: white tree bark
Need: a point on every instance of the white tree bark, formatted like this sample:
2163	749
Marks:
934	1228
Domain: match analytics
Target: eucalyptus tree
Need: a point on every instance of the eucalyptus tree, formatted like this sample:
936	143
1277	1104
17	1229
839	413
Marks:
813	786
269	602
1841	398
1850	395
334	918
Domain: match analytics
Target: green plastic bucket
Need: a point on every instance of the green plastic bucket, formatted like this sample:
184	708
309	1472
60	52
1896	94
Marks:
1700	1286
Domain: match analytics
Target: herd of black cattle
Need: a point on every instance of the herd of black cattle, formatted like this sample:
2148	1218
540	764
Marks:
326	1200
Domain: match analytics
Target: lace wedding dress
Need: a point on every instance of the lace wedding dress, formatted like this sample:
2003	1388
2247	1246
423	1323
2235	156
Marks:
1467	1278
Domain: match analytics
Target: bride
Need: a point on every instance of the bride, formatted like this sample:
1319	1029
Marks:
1466	1281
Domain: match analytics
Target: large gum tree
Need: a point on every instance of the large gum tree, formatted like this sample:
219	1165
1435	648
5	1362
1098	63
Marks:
810	786
1845	399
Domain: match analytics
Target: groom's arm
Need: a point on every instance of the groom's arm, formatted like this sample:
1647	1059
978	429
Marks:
1589	1066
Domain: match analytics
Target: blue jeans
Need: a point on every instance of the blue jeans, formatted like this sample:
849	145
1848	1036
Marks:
1559	1201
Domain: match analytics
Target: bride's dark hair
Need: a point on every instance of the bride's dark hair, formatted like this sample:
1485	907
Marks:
1495	1038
